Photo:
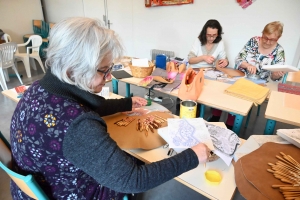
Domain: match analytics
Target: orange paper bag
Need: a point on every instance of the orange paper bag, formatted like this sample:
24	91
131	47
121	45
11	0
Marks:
191	85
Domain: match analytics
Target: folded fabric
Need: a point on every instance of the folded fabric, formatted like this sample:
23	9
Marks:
145	81
248	90
163	79
287	88
172	75
159	72
223	139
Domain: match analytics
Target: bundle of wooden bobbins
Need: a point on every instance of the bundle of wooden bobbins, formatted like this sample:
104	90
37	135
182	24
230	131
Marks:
124	122
151	122
287	169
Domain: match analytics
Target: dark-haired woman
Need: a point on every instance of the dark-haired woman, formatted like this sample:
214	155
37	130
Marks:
208	49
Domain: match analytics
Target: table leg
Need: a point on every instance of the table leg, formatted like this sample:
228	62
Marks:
202	109
115	86
128	90
258	110
270	126
237	123
284	78
248	118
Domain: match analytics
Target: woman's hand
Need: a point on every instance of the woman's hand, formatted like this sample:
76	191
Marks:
222	63
138	102
209	59
202	152
277	75
251	69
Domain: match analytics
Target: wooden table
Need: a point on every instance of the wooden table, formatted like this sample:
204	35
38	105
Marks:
212	95
282	107
12	94
195	178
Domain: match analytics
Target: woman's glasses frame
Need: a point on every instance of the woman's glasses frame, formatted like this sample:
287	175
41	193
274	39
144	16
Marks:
212	36
266	39
107	72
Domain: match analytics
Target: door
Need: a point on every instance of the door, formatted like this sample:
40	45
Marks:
120	19
117	12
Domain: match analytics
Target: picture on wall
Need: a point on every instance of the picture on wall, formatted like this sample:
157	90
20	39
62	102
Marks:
245	3
155	3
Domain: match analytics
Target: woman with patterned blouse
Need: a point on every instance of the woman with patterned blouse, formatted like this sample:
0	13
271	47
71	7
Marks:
264	50
57	133
257	52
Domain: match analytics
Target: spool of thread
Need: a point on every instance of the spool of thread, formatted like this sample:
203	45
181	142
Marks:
149	102
161	61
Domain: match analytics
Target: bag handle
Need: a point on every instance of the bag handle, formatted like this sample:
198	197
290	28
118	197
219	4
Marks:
191	76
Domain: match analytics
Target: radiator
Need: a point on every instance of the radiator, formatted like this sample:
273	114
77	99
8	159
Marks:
155	52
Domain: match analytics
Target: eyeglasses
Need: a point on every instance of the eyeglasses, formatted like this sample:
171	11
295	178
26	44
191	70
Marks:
107	72
266	39
211	36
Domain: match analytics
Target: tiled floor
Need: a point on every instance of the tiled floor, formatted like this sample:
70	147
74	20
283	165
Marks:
171	189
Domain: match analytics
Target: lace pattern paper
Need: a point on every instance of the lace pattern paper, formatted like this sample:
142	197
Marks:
184	133
223	139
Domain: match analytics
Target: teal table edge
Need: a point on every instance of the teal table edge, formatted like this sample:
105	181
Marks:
270	127
202	110
248	117
115	86
128	94
237	122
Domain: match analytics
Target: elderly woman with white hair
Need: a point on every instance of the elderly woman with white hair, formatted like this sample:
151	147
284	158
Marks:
58	135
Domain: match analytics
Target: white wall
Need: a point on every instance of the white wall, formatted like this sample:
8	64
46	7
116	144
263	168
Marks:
296	61
56	10
17	16
175	28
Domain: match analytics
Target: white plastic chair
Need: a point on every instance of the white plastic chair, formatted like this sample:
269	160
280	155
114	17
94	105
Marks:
7	51
7	39
36	42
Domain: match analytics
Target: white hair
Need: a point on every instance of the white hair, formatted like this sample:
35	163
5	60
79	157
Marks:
76	48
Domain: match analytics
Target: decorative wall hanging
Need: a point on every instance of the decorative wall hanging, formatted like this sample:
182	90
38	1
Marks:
154	3
245	3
